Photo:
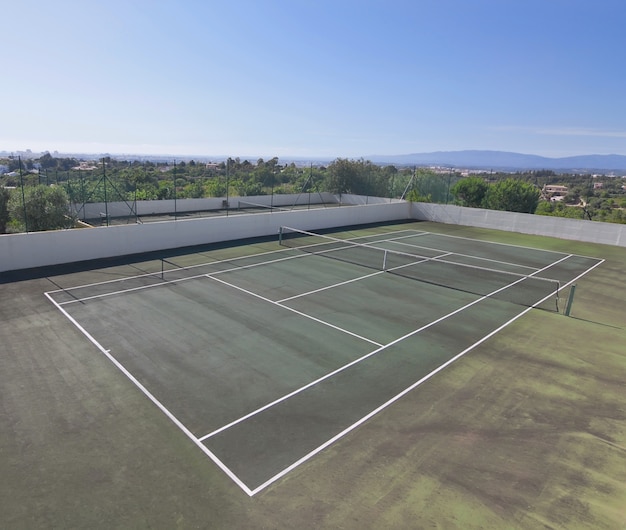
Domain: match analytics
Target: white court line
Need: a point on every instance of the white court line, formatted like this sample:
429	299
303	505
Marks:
104	282
465	255
154	400
600	262
368	416
413	233
360	359
355	279
339	370
164	282
413	386
514	246
329	287
294	311
247	256
371	245
168	282
158	273
216	460
451	253
129	290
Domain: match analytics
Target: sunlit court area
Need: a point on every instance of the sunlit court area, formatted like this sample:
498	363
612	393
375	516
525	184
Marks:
413	368
265	359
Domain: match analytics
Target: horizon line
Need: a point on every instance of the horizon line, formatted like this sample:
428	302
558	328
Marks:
186	156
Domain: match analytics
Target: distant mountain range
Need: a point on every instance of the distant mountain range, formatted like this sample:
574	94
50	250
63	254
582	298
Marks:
502	160
468	159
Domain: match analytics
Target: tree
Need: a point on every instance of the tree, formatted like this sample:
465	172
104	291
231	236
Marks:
47	161
342	175
45	208
512	195
574	195
470	191
215	188
5	194
65	164
356	176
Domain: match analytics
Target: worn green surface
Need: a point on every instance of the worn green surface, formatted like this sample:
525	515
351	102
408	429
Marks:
214	349
526	431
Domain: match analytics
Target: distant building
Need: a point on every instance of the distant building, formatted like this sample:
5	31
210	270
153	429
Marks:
554	192
85	166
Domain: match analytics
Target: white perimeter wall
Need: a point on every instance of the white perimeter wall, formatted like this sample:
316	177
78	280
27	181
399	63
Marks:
37	249
123	209
559	227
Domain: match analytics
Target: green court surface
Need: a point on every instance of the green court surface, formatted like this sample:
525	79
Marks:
266	358
253	385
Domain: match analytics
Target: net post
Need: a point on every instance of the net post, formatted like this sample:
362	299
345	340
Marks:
556	298
385	260
570	300
162	269
280	235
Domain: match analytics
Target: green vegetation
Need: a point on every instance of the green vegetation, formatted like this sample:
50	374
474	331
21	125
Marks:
470	191
40	208
512	195
598	198
590	197
559	209
4	209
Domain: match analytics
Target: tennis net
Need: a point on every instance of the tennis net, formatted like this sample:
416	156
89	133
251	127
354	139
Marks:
251	207
526	290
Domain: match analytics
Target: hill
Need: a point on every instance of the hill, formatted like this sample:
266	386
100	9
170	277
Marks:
503	160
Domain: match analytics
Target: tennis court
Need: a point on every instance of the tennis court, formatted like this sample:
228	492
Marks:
266	359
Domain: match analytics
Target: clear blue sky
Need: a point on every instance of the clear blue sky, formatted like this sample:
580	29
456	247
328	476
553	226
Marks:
312	78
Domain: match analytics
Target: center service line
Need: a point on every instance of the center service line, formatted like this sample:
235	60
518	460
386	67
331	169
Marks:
414	385
356	361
